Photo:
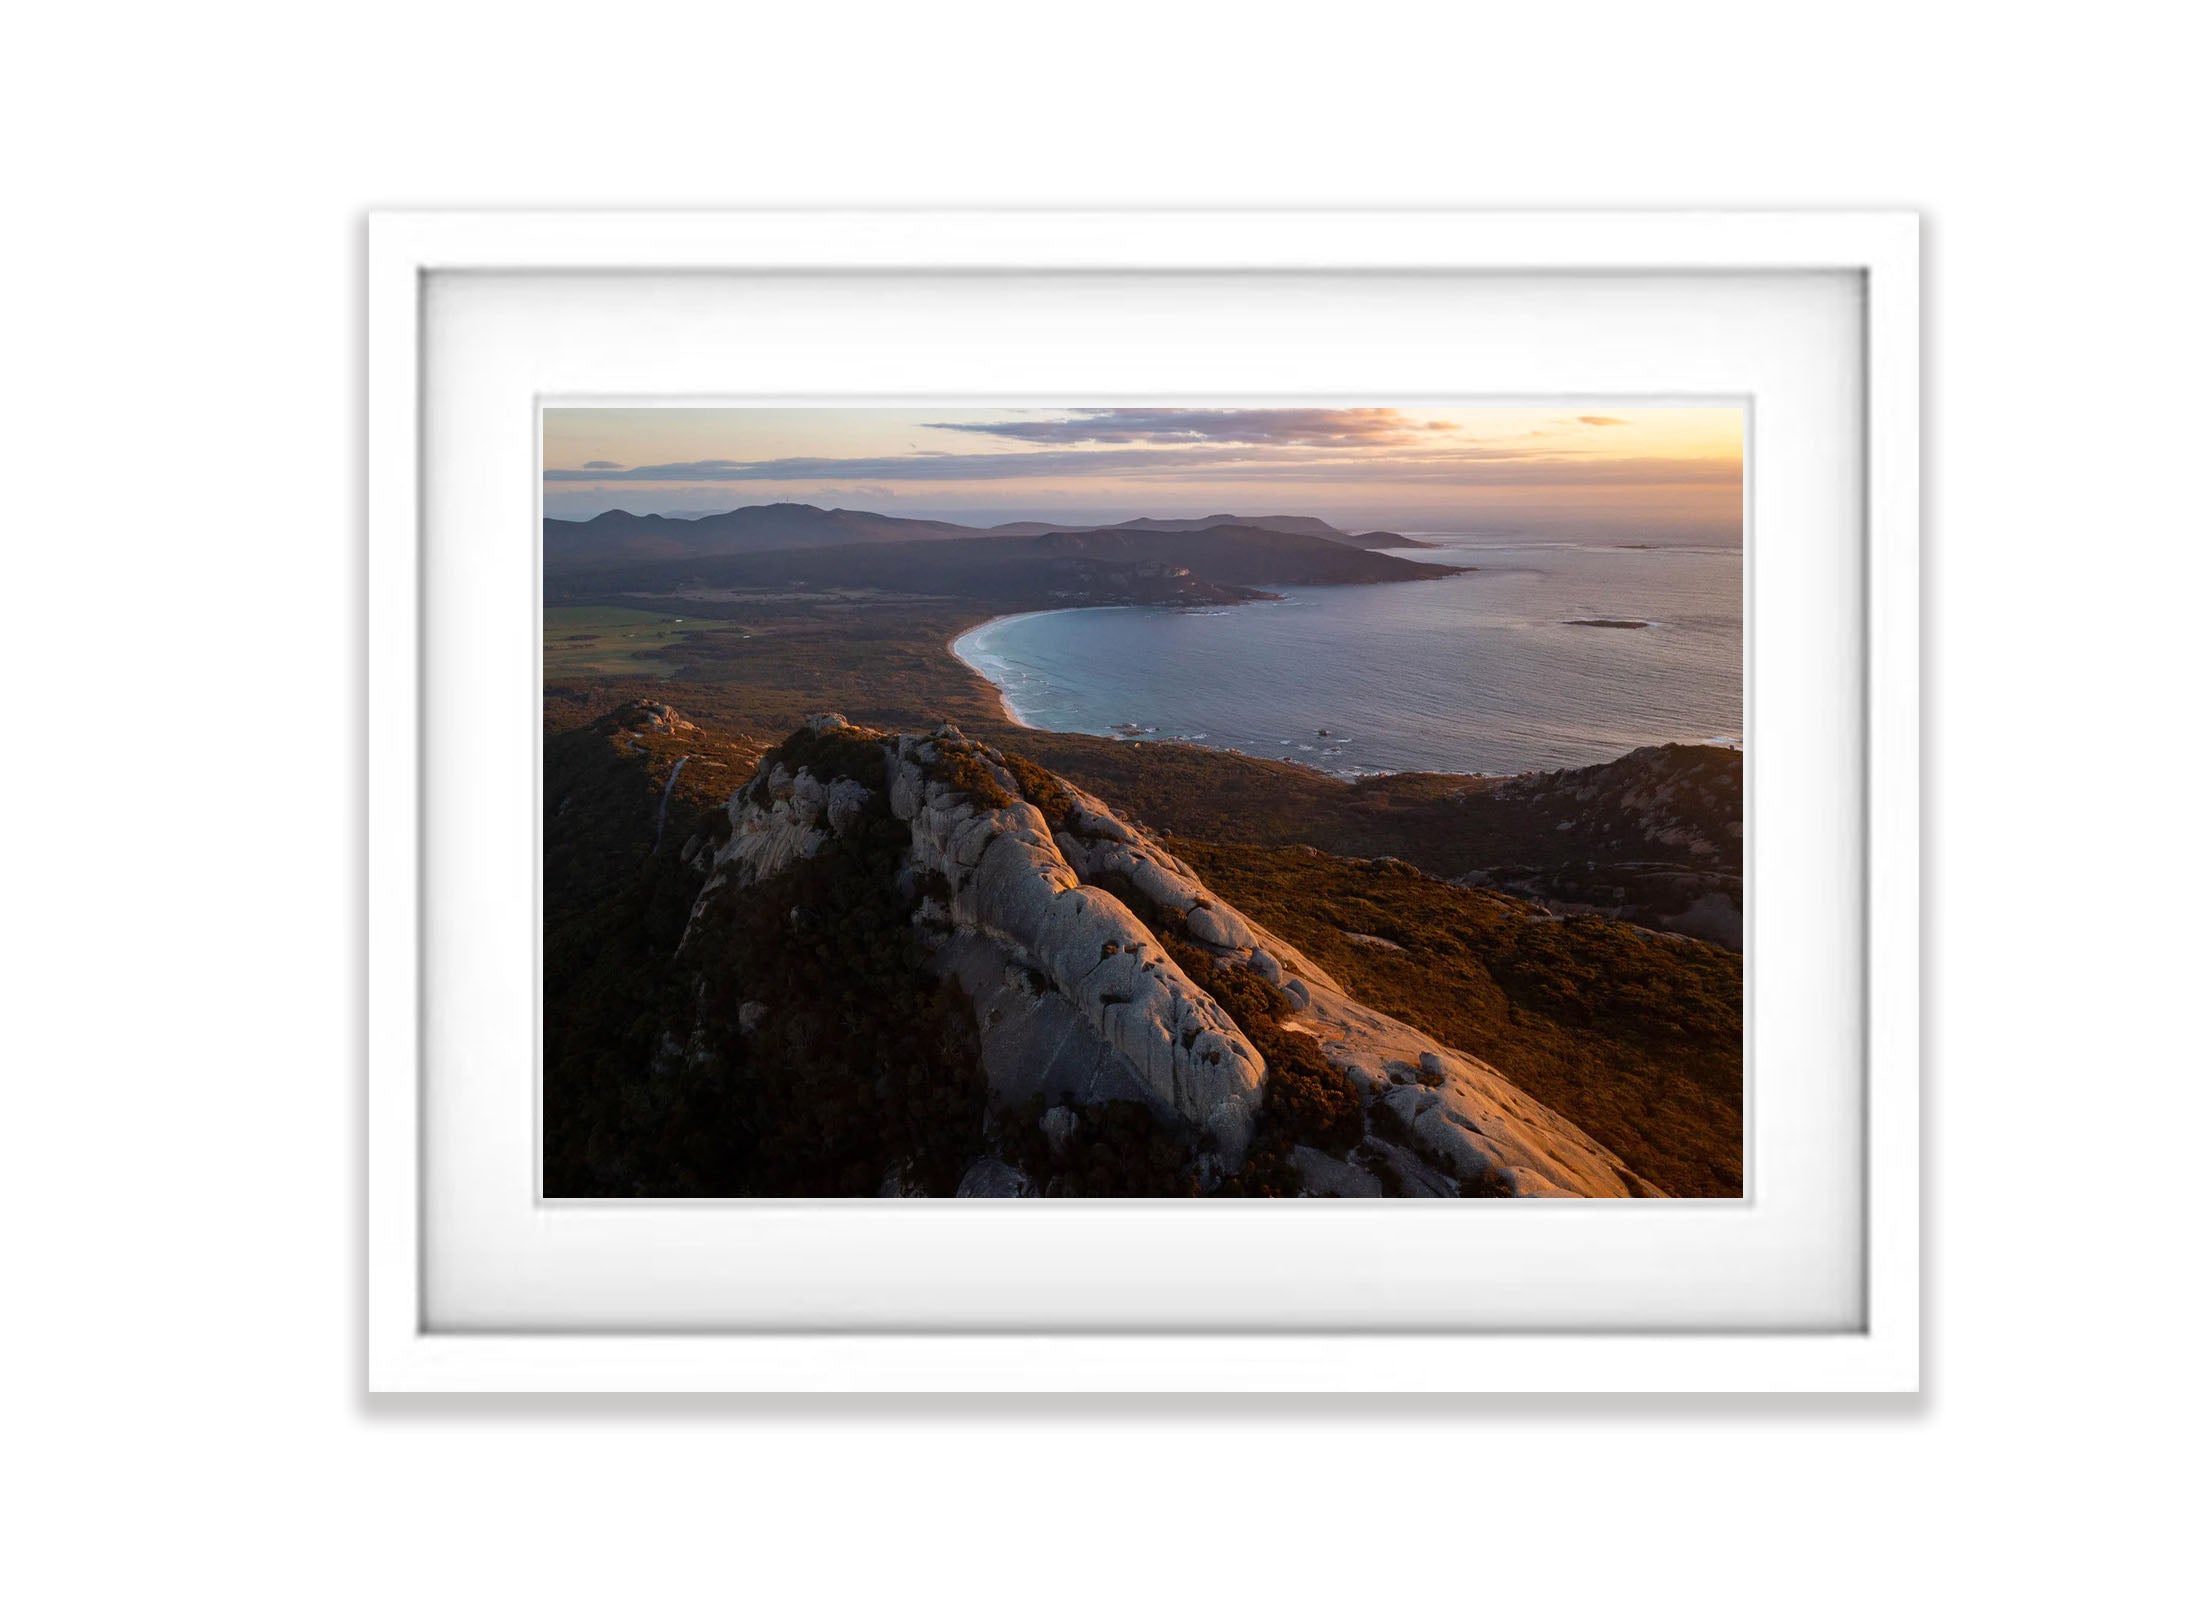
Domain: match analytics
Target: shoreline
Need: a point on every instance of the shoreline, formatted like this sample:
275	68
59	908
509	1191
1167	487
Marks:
963	658
956	647
1008	706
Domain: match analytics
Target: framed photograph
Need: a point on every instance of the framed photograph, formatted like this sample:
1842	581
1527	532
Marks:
1143	801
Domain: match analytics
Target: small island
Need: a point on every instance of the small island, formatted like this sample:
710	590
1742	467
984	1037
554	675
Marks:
1607	622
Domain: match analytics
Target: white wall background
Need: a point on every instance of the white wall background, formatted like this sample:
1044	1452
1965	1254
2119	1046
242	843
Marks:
182	880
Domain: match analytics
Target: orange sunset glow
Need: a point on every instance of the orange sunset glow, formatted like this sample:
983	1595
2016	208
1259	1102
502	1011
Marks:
1553	467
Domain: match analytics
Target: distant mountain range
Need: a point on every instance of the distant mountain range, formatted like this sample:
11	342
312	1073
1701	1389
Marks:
1208	565
614	537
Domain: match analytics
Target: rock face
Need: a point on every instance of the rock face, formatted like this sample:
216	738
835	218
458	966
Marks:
1465	1126
1077	999
657	717
1009	880
788	818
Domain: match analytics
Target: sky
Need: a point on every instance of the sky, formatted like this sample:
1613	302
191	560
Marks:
1662	471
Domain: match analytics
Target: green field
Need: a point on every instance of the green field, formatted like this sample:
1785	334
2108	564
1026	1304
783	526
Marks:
615	640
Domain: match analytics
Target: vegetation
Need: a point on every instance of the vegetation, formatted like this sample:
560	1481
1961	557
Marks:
1233	553
1049	794
958	763
651	1087
855	1065
1648	833
1651	833
1306	1100
1635	1036
1119	1149
831	754
651	1084
770	661
1100	566
614	908
617	537
613	640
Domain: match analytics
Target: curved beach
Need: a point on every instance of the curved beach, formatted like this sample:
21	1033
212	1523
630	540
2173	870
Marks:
969	647
1552	659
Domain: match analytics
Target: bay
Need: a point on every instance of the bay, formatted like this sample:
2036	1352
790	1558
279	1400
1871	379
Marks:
1493	671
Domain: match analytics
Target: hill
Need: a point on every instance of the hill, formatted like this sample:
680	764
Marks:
617	536
1654	837
1313	527
621	536
1234	552
924	964
1218	565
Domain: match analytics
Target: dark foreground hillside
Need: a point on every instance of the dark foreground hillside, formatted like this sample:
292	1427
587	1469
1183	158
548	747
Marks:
1634	1035
1653	837
848	1013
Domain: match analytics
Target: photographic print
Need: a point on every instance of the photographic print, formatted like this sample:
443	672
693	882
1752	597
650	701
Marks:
1143	802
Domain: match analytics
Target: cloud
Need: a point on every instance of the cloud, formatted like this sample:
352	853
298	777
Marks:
925	467
1326	428
1191	446
1442	464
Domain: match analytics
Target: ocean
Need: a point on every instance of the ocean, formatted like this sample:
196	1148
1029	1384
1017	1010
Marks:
1481	673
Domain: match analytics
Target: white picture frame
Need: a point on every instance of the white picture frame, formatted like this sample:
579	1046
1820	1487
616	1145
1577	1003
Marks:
407	1352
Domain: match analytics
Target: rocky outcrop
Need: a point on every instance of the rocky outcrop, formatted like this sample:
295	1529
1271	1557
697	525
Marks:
1008	879
784	815
1464	1125
1097	843
1078	1000
657	717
